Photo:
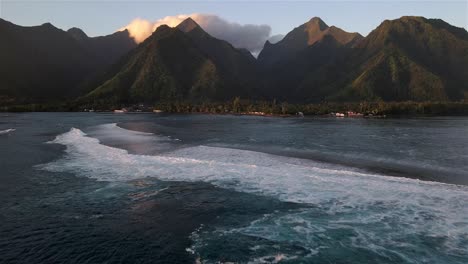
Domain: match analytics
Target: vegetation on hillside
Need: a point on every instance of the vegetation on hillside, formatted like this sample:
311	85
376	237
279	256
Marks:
415	65
406	59
245	106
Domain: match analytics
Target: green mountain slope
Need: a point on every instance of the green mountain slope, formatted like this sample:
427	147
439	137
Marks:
176	65
411	58
236	66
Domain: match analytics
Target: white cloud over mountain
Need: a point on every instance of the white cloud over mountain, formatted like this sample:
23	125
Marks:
248	36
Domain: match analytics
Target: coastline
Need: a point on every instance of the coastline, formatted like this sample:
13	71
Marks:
264	108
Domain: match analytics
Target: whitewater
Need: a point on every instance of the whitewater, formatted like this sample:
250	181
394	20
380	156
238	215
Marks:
6	131
387	215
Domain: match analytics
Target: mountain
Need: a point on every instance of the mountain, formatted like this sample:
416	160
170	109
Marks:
46	64
411	58
39	63
228	57
306	49
182	63
237	66
302	37
106	49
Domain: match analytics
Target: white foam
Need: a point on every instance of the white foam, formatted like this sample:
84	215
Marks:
355	197
6	131
116	133
224	166
134	141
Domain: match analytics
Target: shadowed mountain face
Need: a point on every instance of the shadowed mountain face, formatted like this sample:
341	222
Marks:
308	48
189	25
237	66
106	49
46	64
236	62
40	63
182	63
411	58
302	37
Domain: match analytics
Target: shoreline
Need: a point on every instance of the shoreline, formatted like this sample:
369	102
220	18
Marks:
263	108
254	115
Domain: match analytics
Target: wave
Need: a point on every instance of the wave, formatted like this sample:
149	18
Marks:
86	156
122	131
381	209
6	131
429	170
134	141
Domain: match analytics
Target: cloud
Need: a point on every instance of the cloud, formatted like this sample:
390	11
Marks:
249	36
139	29
275	38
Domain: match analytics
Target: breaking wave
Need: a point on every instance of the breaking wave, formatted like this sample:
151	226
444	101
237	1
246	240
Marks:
380	212
6	131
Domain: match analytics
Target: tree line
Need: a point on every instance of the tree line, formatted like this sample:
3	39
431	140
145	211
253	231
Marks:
273	107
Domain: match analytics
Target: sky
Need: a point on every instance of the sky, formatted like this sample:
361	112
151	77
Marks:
101	17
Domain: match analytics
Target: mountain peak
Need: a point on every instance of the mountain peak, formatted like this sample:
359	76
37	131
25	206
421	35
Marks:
187	25
316	22
314	28
313	31
48	25
77	33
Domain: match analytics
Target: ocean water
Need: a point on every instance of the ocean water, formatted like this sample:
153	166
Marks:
156	188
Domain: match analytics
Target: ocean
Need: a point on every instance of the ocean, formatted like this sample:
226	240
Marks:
168	188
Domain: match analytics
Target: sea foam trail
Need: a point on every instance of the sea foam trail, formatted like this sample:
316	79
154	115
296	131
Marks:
6	131
289	178
436	209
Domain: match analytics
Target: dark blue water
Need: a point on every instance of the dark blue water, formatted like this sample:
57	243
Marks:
146	188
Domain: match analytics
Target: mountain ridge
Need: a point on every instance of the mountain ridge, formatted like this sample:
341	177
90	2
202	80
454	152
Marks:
302	37
176	65
45	64
406	59
409	58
